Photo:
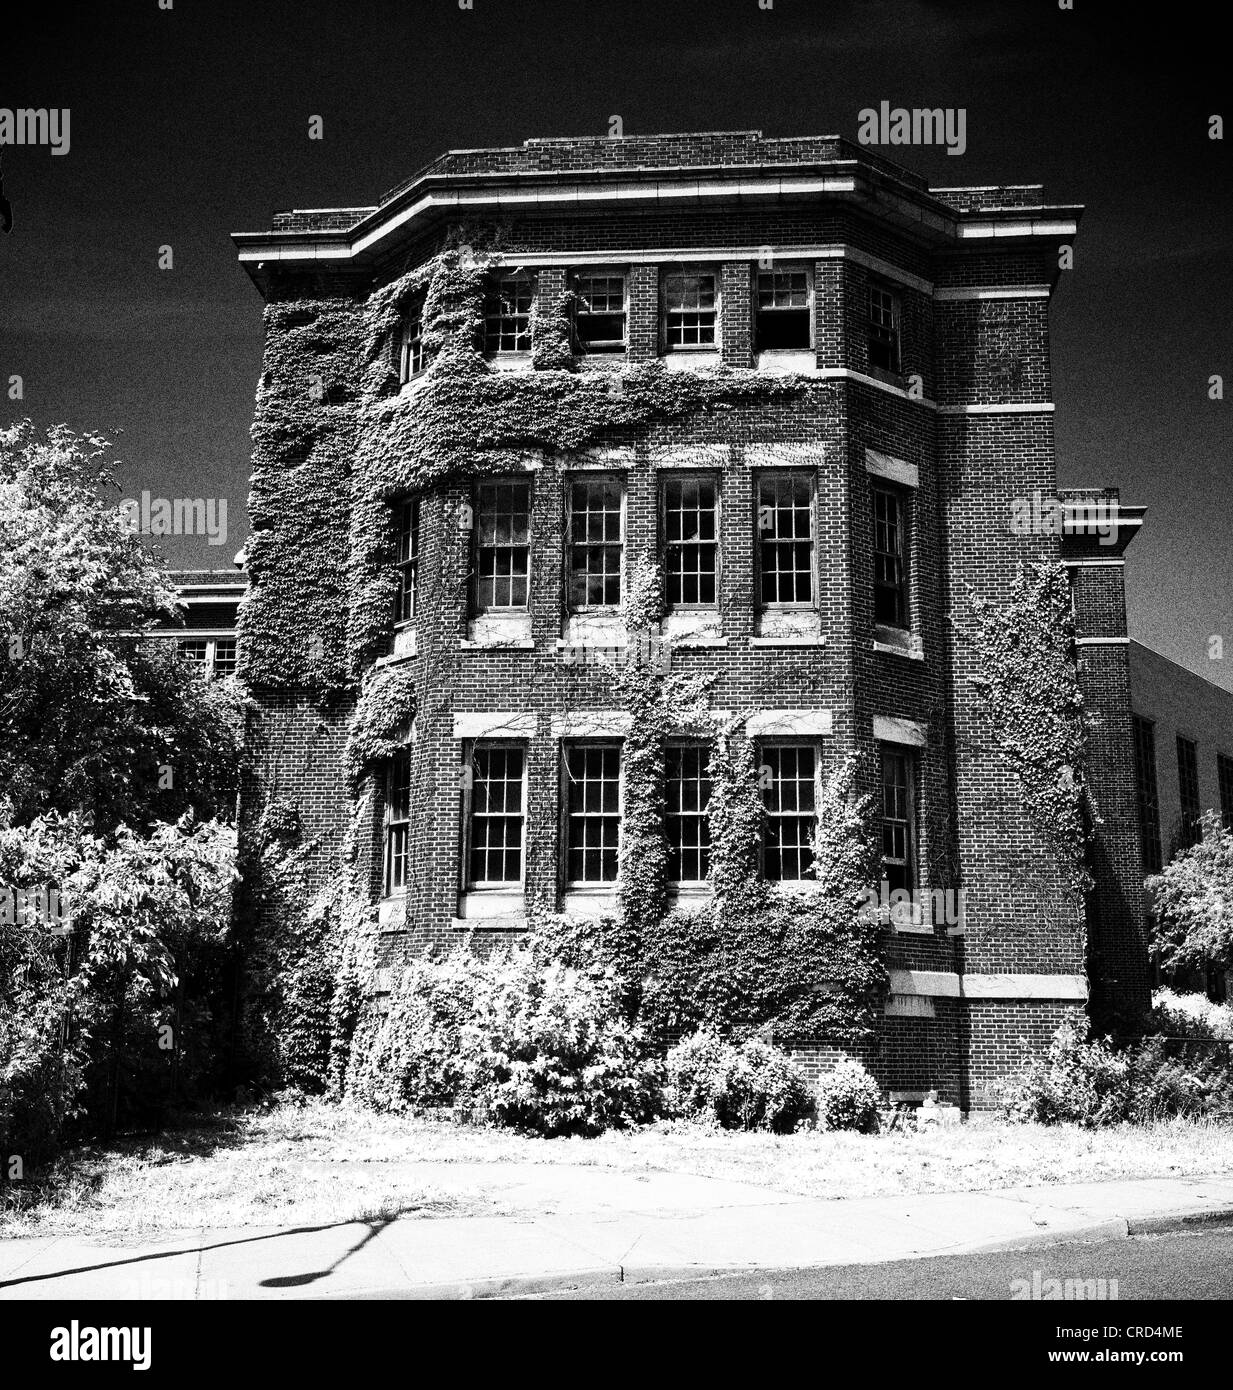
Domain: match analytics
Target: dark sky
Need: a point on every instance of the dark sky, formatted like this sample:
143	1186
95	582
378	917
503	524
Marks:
190	123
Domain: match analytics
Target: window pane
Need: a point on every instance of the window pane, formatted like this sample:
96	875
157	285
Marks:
507	314
1190	830
596	550
890	566
686	825
689	310
224	657
883	329
785	531
690	526
496	813
790	804
593	814
782	299
413	360
898	811
502	545
1146	794
599	318
408	559
397	822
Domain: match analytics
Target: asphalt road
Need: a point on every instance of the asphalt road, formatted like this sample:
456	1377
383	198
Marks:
1190	1265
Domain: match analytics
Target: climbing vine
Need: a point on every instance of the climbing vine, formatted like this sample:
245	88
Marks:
1028	688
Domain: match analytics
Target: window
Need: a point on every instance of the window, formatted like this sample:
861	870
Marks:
890	557
413	358
496	814
883	328
196	649
599	317
689	311
1188	791
502	546
507	314
408	559
898	818
786	540
224	657
593	811
688	829
397	823
789	781
1145	794
1224	777
214	656
691	541
782	300
596	529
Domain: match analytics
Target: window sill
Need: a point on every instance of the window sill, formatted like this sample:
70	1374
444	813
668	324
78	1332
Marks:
894	643
589	902
509	361
690	359
795	624
785	361
411	386
497	644
510	923
699	642
787	641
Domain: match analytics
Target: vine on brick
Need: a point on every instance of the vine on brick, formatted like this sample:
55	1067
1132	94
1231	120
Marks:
1028	687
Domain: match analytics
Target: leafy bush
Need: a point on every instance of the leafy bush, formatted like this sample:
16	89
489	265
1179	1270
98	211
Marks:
546	1050
1091	1083
1075	1082
1191	1016
848	1098
537	1046
752	1085
1192	1085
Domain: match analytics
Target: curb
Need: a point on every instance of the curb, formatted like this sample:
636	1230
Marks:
1180	1221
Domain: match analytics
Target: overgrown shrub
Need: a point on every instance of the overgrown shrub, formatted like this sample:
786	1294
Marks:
1074	1082
1093	1084
751	1085
536	1046
1190	1016
848	1098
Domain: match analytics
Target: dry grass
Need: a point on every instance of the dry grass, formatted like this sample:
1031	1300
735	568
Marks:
317	1163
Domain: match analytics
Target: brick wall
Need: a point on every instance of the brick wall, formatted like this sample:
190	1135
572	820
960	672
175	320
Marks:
975	832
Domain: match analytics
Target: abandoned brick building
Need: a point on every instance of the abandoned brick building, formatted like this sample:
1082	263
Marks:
875	354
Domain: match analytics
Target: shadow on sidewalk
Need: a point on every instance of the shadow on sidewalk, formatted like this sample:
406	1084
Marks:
375	1227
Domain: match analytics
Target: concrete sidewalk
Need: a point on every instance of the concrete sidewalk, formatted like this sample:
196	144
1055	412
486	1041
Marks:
603	1227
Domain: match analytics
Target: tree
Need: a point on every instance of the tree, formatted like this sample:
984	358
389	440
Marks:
118	769
1193	898
93	719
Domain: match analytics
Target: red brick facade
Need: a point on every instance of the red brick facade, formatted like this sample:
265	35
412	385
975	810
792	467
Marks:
963	425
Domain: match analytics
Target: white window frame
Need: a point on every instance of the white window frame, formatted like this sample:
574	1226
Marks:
667	478
789	742
466	883
687	272
388	889
490	288
771	475
790	267
587	272
590	885
500	610
593	477
707	751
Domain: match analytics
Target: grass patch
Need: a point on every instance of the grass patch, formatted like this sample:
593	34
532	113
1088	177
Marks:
316	1164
